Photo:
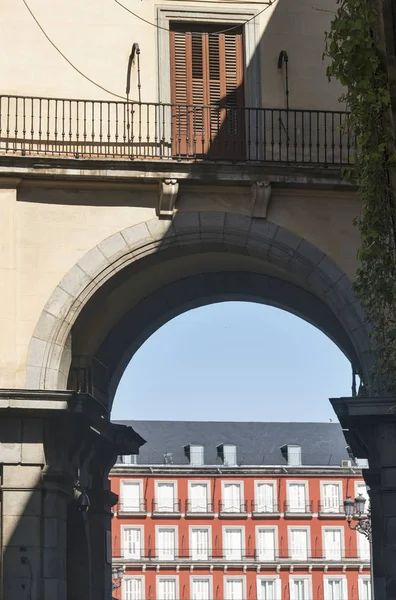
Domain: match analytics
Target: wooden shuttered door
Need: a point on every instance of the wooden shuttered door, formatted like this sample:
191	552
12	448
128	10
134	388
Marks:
207	92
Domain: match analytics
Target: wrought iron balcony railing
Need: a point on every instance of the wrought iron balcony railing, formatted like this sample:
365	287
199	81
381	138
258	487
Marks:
166	507
136	554
262	508
337	510
139	506
196	507
56	127
233	508
294	509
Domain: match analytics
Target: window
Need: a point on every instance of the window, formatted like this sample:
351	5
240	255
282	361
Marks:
294	456
201	588
265	496
132	588
298	543
230	457
265	543
363	546
269	589
207	69
166	496
361	488
195	454
234	588
332	539
127	459
364	584
233	543
166	543
167	588
199	496
131	495
335	588
299	588
232	497
132	542
297	495
331	497
200	543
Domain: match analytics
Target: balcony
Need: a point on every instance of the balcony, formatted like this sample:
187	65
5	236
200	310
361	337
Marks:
132	509
147	131
196	510
229	510
234	555
331	512
164	509
298	512
265	511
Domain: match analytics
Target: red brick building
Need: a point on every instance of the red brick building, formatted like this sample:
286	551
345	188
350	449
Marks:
238	511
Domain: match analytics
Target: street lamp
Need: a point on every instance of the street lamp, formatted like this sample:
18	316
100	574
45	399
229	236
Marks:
117	574
354	509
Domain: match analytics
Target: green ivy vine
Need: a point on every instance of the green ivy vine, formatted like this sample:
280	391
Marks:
356	61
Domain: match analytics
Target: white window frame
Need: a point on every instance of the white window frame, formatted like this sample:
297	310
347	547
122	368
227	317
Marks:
273	528
332	528
291	446
175	528
164	577
356	486
301	482
126	578
192	446
208	528
336	578
275	495
359	544
200	482
362	578
206	577
129	481
305	528
237	576
300	578
239	482
132	526
338	483
278	585
243	537
175	492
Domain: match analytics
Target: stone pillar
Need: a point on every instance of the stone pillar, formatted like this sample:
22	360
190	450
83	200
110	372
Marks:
52	443
370	429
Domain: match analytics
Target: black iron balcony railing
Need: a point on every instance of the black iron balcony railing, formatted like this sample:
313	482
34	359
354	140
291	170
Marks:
263	508
56	127
324	509
233	508
140	506
136	554
302	509
166	507
199	507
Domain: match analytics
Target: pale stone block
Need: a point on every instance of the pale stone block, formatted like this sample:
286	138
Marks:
186	222
19	476
50	532
10	453
45	326
135	234
33	453
74	281
59	302
262	230
211	221
160	228
21	502
21	530
113	246
51	589
237	223
37	352
286	238
93	262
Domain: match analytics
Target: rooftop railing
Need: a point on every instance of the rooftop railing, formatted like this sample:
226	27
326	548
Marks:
56	127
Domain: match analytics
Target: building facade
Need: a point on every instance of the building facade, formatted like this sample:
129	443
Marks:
208	513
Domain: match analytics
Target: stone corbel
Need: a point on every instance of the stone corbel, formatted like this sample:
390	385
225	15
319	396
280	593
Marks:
260	197
168	191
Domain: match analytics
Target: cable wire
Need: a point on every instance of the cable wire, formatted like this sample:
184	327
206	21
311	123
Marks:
65	57
269	3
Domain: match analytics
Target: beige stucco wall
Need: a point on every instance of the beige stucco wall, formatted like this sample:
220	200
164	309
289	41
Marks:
97	38
45	231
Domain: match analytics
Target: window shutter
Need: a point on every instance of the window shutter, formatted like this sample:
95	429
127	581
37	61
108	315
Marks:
132	543
130	495
265	497
166	544
132	589
200	544
234	589
167	589
165	497
201	589
266	544
199	497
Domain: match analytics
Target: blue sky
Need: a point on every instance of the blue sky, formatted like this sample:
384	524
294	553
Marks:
234	361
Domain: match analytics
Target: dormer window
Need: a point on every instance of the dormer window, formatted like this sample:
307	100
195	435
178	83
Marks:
227	453
292	454
195	454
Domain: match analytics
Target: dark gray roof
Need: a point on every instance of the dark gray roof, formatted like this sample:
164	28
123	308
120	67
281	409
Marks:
257	443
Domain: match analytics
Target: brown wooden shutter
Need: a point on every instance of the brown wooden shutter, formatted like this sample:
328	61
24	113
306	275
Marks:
206	77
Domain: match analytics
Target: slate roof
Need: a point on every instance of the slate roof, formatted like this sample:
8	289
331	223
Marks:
322	444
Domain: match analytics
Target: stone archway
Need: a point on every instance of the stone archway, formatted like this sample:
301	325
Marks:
162	268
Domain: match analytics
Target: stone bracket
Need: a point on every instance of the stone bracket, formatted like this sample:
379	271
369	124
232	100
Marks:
260	197
168	192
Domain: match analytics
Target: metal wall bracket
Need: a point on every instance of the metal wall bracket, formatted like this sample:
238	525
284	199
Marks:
168	191
260	197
